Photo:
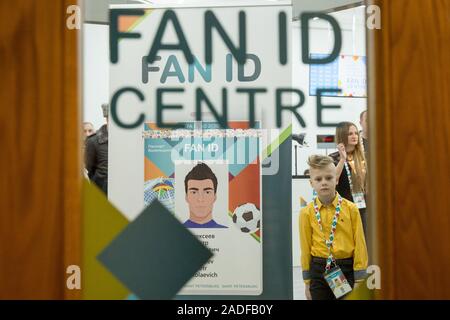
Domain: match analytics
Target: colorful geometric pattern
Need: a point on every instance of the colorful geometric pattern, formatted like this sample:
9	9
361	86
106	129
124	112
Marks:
243	163
128	23
163	162
155	255
101	224
238	196
162	189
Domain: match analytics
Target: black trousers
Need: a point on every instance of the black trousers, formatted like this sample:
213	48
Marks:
318	287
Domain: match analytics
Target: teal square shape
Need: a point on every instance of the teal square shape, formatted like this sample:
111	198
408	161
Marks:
155	255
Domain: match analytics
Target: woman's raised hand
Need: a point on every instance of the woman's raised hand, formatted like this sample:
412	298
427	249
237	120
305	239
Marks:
342	152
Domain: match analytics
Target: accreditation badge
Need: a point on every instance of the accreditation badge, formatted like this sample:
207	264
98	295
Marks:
337	282
359	200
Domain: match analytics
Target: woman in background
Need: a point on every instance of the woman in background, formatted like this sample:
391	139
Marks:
351	167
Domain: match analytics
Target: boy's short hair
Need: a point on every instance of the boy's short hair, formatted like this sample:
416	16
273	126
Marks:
319	161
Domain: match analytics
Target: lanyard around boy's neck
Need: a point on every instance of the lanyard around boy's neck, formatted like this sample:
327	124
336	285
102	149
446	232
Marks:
329	243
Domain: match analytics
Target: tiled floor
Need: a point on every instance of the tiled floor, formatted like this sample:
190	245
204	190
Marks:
299	285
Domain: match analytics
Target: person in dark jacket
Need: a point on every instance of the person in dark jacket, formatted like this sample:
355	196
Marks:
96	155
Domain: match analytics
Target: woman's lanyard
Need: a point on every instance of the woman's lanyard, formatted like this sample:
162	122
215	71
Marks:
358	197
329	243
349	176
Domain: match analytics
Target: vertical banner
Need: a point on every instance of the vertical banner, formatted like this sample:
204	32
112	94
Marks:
250	227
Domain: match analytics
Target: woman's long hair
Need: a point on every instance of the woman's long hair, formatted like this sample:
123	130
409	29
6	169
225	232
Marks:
360	169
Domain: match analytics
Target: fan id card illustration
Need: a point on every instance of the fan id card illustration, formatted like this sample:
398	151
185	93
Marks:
210	179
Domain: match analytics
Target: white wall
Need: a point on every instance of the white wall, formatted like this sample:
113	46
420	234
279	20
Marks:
352	23
95	72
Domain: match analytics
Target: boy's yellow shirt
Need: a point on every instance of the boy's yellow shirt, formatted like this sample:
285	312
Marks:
349	239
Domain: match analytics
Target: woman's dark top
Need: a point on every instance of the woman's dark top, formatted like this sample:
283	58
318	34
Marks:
343	186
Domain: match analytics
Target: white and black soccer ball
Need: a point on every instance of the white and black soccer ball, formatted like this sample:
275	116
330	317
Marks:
247	218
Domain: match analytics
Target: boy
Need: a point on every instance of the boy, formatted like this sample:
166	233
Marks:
331	234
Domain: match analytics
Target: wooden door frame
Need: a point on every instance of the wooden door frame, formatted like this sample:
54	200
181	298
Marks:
40	187
409	103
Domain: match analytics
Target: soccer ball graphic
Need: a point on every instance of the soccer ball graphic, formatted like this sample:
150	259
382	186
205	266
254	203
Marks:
247	218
